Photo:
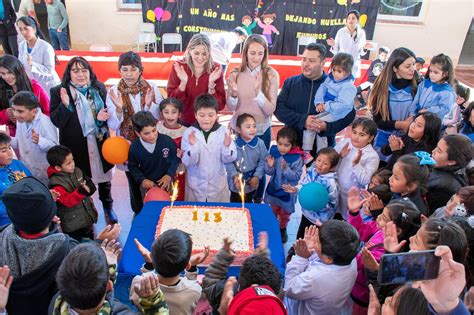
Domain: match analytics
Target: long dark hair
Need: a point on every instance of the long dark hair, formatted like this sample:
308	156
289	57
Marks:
29	21
66	80
432	130
23	83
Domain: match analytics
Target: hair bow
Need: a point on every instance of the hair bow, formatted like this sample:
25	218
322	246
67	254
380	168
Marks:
425	158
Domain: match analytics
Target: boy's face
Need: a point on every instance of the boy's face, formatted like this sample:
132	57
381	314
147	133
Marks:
206	117
6	154
323	164
149	134
383	56
68	165
22	114
247	129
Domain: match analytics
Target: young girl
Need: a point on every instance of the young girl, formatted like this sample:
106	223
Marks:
461	204
170	113
462	97
406	218
285	165
334	99
423	135
467	126
267	27
322	172
358	159
250	162
436	94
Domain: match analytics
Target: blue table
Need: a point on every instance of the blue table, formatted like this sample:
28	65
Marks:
144	226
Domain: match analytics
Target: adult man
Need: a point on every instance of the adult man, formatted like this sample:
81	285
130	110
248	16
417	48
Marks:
27	8
295	103
57	23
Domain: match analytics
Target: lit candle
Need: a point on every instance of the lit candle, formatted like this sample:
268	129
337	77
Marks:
174	193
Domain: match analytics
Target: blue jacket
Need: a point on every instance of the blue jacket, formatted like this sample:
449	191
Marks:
250	162
337	96
436	98
10	174
296	101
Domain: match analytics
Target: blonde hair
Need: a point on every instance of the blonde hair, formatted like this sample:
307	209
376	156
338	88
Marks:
199	40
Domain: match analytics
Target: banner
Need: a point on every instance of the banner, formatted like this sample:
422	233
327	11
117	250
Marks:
283	21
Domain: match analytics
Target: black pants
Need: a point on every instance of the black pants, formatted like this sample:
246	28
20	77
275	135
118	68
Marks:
303	224
235	197
82	233
10	44
105	195
136	200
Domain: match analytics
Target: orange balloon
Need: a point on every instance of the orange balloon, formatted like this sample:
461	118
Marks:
156	194
115	150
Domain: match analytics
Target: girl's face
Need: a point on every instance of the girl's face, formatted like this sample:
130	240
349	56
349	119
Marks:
440	154
406	70
383	218
338	73
360	138
170	115
28	32
255	55
375	181
323	164
284	145
199	56
418	241
130	74
79	75
417	128
436	73
460	100
398	182
8	76
268	20
351	21
453	202
248	129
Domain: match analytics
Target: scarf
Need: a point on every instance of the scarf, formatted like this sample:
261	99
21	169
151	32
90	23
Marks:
142	87
88	103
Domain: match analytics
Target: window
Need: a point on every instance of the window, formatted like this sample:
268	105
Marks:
402	10
129	4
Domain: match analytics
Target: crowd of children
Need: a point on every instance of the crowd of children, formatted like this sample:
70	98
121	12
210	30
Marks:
397	183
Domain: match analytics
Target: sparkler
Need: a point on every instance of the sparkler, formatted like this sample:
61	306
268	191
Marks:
174	193
242	190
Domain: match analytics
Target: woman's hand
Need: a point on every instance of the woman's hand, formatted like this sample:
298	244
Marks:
117	100
103	115
150	97
64	97
258	83
331	42
215	74
232	88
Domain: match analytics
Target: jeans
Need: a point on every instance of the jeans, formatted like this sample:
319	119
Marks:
59	40
10	44
267	138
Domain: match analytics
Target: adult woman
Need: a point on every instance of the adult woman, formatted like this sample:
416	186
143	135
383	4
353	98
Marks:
253	89
37	55
13	79
392	96
351	39
8	34
78	110
132	94
195	75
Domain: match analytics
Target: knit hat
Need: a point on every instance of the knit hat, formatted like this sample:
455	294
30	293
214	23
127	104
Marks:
30	205
256	300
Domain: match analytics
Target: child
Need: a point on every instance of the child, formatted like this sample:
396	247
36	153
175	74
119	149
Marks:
419	64
170	256
285	166
35	134
170	113
461	204
410	175
319	278
85	281
207	146
267	27
423	135
250	162
75	206
334	99
380	177
467	126
11	171
152	159
462	97
358	159
322	172
436	94
377	65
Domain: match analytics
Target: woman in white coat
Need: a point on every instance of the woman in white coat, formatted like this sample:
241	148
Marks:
37	55
351	39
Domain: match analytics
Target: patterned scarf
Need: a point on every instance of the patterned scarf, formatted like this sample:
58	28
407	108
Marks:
142	87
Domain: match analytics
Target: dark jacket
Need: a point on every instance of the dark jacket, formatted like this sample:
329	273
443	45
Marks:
70	132
296	101
75	206
7	26
443	183
410	147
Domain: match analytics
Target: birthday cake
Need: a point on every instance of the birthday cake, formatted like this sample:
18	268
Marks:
208	226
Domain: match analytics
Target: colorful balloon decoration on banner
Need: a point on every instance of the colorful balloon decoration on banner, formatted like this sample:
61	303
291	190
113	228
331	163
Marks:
363	20
342	2
158	14
115	150
313	197
150	15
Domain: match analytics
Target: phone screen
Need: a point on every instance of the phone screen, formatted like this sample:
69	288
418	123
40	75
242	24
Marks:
407	267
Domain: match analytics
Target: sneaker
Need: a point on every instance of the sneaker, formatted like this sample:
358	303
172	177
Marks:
110	216
284	235
307	158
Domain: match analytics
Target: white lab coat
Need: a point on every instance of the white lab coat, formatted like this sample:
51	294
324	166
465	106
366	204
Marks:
43	67
31	154
345	43
206	178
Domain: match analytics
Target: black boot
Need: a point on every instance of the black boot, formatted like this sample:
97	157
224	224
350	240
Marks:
110	216
284	235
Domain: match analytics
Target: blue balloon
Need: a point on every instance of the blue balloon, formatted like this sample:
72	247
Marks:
313	197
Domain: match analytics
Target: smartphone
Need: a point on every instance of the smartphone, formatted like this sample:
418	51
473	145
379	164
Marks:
407	267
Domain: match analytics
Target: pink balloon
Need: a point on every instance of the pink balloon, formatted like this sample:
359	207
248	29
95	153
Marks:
166	16
158	12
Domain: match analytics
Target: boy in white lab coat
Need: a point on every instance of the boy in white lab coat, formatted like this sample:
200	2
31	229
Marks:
35	134
206	146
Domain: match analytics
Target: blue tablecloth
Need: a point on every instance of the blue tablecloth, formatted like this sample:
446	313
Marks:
144	226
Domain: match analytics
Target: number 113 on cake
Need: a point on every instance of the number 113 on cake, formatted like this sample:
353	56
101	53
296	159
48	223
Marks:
217	216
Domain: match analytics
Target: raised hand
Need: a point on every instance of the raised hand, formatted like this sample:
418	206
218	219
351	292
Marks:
374	303
200	257
5	284
227	295
345	150
192	138
301	249
232	88
369	259
331	42
112	250
215	74
395	143
35	137
262	245
182	75
149	285
357	158
227	139
149	97
144	251
117	100
354	202
228	245
311	237
64	97
103	115
390	241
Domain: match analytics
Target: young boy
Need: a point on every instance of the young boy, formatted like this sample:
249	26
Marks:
152	159
377	65
75	206
85	282
171	255
35	134
11	171
206	147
